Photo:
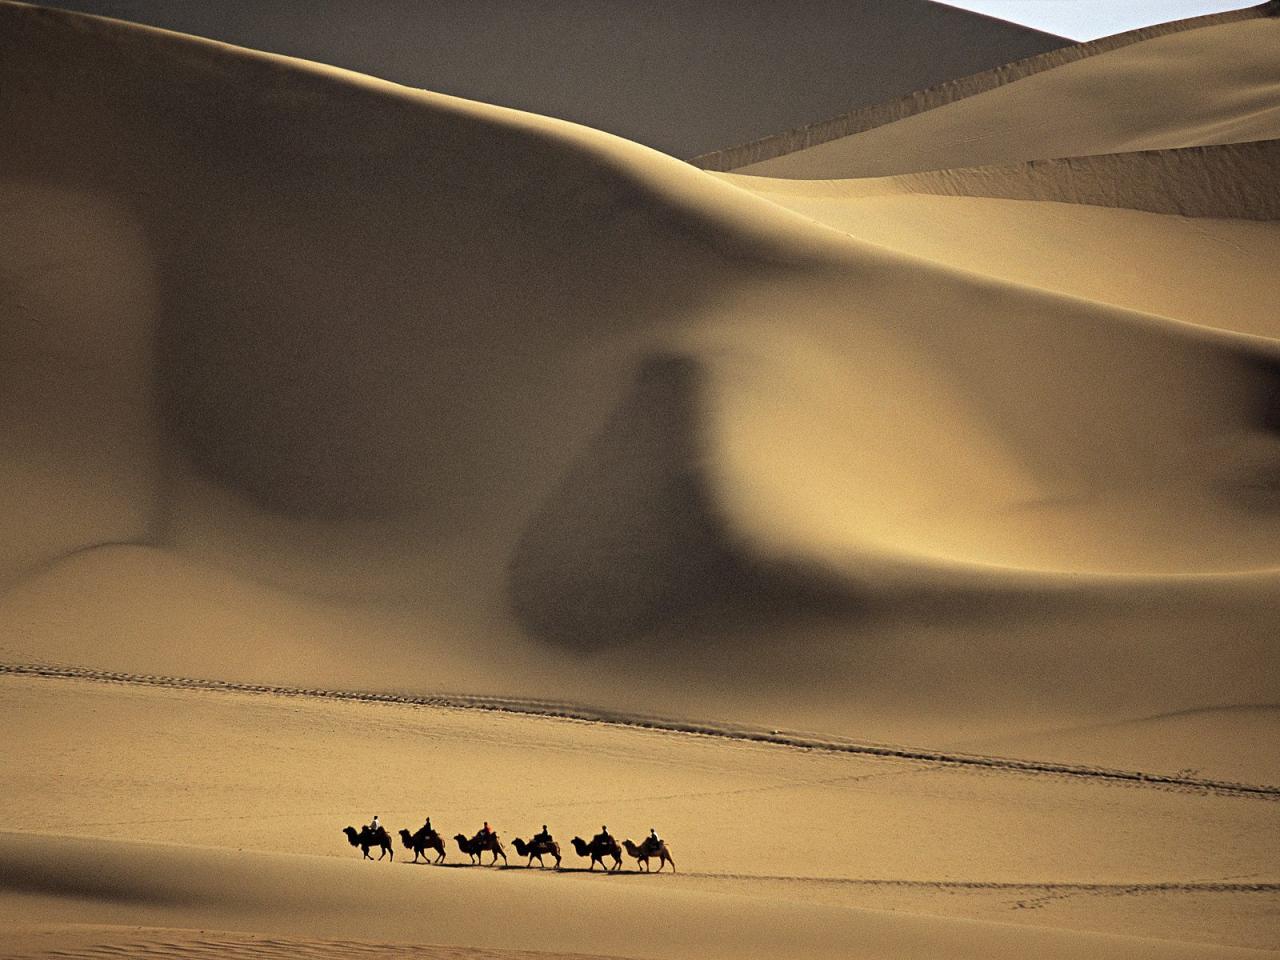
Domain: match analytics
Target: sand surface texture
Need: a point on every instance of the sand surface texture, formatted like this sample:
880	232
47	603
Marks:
903	549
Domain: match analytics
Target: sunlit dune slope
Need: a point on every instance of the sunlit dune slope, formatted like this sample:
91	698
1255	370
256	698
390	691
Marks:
1212	85
1225	181
520	386
1059	246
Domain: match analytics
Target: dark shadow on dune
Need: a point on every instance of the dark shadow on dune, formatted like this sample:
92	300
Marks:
83	879
632	544
1250	476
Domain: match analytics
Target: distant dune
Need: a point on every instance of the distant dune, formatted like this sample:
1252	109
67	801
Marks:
984	119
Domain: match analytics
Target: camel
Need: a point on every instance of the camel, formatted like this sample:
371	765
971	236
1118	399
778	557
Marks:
537	849
475	846
649	849
421	842
597	850
364	839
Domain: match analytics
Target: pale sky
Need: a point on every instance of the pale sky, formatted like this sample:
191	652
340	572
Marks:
1090	19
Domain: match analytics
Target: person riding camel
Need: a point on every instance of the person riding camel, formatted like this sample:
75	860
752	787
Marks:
653	840
374	825
543	837
427	829
604	837
485	835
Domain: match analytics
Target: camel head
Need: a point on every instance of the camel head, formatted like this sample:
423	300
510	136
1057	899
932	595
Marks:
352	837
463	841
580	846
407	839
631	848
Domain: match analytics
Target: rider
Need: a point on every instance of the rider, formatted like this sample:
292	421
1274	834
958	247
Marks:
543	837
653	840
485	834
427	830
375	825
603	837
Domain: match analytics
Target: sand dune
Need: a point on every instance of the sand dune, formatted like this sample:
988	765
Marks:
612	404
683	76
315	381
1211	85
1058	245
920	101
1225	181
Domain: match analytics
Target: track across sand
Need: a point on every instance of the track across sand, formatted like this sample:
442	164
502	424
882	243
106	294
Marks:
225	946
726	731
1172	886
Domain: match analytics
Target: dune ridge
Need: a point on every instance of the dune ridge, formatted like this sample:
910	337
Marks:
867	118
1222	181
683	77
1210	85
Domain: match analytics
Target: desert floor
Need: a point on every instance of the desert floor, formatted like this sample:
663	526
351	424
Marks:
141	814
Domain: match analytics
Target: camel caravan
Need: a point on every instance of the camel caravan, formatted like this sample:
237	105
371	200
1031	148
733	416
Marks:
427	844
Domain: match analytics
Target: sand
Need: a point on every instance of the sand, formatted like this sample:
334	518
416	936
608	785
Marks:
239	799
682	76
1211	85
314	384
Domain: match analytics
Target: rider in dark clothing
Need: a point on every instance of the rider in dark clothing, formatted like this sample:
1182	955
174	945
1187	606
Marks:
427	830
485	834
543	837
604	837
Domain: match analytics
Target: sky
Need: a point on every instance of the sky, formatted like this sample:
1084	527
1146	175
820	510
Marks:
1090	19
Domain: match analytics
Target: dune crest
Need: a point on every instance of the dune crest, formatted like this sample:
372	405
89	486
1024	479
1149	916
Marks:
1211	84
